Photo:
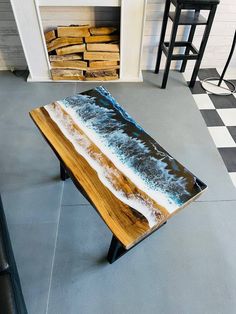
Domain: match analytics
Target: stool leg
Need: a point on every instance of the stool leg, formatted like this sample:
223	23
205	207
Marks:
190	39
171	45
203	45
162	38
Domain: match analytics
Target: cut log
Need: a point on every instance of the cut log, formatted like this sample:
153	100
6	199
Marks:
72	56
63	42
73	31
58	74
80	65
100	64
100	73
102	78
103	68
101	39
49	36
84	53
70	49
104	75
110	56
103	47
102	30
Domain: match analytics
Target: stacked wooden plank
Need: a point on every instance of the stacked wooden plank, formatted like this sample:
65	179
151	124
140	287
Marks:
80	52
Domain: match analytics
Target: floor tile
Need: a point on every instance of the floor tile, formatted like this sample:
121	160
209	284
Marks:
81	273
221	102
34	204
228	155
207	73
228	116
232	81
33	246
197	89
212	118
233	177
9	79
71	195
212	87
187	76
202	232
25	160
221	136
203	101
232	131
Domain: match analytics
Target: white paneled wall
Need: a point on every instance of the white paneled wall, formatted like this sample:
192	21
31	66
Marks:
11	53
221	36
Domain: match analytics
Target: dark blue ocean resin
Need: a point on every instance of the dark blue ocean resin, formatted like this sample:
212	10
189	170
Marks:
127	140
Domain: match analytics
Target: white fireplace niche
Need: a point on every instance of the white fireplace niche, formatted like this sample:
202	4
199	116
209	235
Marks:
29	15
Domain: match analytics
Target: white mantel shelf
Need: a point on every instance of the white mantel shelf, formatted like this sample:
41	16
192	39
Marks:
29	23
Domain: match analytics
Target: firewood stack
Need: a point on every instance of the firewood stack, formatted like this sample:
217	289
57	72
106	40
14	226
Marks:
80	52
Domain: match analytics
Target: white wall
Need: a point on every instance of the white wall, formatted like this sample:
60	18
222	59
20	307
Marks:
11	53
221	36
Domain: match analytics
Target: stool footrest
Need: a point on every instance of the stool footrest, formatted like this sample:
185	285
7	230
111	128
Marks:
181	56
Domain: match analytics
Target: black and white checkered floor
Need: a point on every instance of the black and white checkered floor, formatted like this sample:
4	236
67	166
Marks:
219	113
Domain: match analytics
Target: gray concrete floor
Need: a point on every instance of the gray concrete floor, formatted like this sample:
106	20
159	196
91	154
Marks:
59	241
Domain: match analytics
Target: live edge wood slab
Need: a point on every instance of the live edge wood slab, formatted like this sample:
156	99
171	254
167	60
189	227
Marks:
132	182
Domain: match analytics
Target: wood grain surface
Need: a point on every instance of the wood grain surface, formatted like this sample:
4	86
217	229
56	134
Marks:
63	42
102	64
69	57
126	224
102	30
80	65
103	47
102	56
102	38
67	74
73	31
70	49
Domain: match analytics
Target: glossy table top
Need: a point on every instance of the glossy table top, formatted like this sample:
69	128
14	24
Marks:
134	183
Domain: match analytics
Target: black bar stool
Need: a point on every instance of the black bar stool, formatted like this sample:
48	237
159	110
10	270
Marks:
191	17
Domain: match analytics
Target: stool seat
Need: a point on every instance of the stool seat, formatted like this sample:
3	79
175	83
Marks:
195	2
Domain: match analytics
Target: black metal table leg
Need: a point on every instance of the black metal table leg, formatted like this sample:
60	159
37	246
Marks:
63	173
162	38
203	45
116	250
171	45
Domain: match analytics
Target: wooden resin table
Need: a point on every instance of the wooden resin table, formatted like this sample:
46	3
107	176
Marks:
132	182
